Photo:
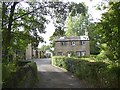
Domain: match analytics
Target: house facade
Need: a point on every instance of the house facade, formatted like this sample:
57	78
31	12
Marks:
73	45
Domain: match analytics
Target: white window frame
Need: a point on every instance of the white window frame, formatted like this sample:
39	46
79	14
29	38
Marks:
83	53
73	43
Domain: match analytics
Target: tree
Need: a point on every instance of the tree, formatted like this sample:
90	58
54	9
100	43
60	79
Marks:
13	18
32	20
77	24
71	9
45	48
94	39
109	30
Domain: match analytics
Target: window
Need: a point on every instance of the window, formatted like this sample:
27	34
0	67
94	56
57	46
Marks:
59	53
82	42
80	53
63	43
73	43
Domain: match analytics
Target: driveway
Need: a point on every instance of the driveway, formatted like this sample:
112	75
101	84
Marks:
53	77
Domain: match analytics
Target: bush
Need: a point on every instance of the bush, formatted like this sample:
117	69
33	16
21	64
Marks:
22	63
24	76
101	56
7	70
96	73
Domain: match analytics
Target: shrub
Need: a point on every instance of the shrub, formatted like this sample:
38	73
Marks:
24	76
97	73
7	70
101	56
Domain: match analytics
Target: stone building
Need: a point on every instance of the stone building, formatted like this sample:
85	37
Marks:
73	45
31	53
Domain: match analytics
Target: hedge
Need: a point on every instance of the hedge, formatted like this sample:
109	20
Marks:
97	73
24	77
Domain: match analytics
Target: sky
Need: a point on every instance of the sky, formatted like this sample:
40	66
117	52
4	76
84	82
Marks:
96	14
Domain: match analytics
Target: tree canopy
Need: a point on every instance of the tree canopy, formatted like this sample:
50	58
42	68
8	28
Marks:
109	30
77	24
21	26
45	48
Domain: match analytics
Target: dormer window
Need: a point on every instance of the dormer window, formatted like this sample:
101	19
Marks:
73	43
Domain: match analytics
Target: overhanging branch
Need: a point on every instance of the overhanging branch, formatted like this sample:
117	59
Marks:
22	16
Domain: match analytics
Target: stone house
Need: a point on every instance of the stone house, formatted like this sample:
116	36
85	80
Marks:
73	45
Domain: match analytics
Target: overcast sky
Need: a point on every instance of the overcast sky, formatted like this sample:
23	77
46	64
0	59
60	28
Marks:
91	10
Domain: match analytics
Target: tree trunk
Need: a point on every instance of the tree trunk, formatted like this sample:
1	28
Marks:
7	38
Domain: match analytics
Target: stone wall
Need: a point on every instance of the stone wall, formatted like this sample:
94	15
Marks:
68	47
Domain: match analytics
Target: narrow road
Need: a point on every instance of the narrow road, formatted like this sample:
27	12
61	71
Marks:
53	77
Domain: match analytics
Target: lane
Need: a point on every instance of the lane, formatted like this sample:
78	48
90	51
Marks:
53	77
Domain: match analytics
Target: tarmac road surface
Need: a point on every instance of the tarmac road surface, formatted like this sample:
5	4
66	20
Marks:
54	77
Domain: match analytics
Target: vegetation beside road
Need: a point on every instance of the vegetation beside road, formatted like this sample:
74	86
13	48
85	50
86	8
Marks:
103	68
100	74
21	26
22	74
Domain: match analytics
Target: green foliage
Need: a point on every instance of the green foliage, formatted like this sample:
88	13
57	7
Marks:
45	48
21	63
105	53
76	26
99	74
24	76
94	39
7	69
72	9
76	9
101	56
109	30
77	23
21	26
